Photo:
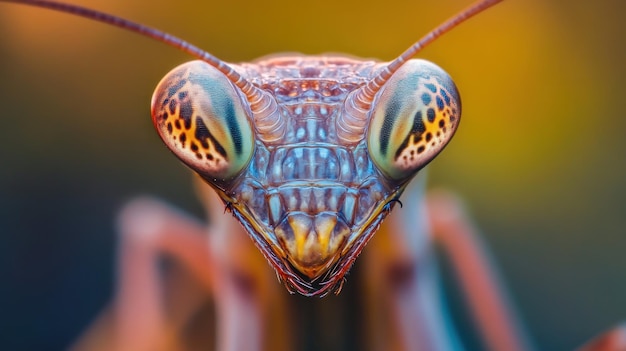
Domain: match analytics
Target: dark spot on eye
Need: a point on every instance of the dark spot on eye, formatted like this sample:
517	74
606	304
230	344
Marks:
194	146
233	127
186	111
182	95
224	108
169	127
428	137
417	129
198	156
176	87
438	133
418	124
444	129
426	99
412	152
183	137
439	103
165	102
164	116
385	131
177	123
209	157
452	118
420	149
431	87
173	104
401	148
203	133
442	123
446	97
431	115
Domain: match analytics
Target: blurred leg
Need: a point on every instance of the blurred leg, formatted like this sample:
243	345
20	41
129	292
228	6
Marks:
218	259
614	340
240	294
251	305
148	229
406	311
153	308
476	275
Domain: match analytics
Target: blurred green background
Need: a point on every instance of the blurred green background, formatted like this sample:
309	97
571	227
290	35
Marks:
539	157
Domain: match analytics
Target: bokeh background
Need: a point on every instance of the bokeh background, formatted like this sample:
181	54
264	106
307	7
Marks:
539	158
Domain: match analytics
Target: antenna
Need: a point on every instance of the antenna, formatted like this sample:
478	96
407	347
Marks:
351	124
260	101
365	95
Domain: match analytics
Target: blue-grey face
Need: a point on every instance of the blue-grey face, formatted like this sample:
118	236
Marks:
309	200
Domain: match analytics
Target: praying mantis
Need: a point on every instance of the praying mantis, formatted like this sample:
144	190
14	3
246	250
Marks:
215	215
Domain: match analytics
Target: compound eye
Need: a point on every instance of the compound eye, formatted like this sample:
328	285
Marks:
412	119
202	118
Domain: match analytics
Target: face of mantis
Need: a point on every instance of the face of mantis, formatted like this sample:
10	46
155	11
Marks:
309	188
308	153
